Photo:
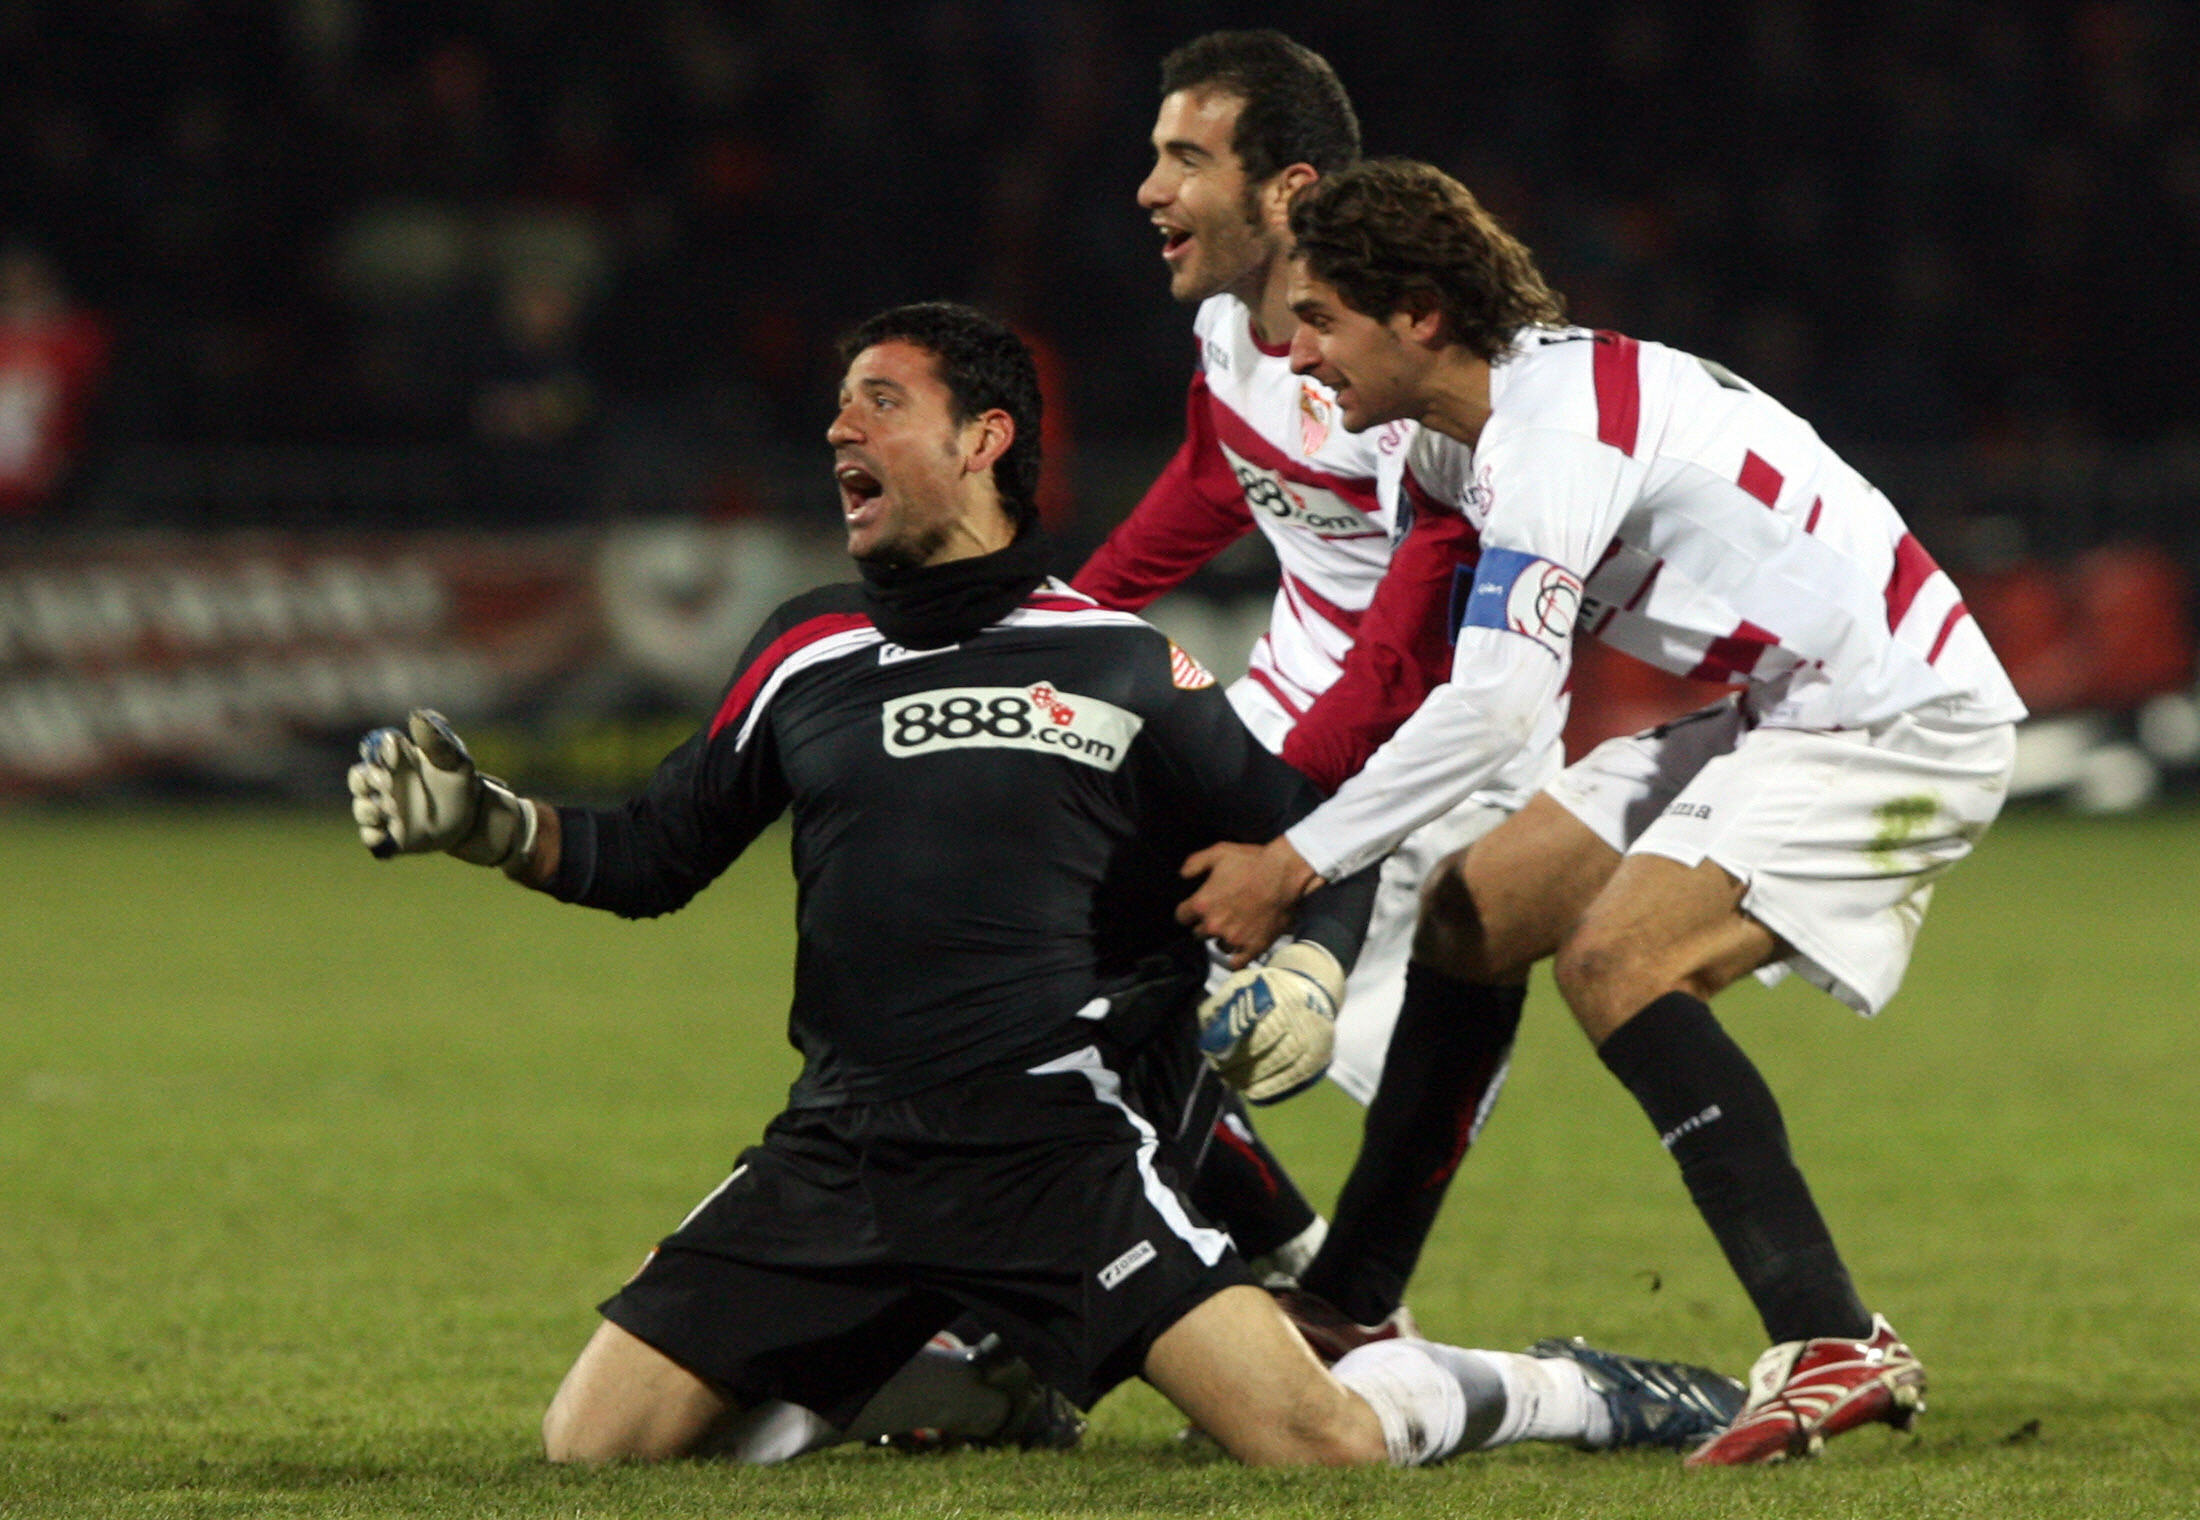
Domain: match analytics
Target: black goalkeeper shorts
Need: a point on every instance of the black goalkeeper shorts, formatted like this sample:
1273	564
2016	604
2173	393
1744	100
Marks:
1042	1203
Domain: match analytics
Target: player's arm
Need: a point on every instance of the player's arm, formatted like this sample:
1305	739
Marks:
1193	511
417	789
704	804
1400	654
1222	784
1561	500
1269	1030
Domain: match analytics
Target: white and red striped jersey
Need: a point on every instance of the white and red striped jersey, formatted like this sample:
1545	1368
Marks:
1342	664
1640	495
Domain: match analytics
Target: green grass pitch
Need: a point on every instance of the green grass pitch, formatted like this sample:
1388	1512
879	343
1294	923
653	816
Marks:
311	1169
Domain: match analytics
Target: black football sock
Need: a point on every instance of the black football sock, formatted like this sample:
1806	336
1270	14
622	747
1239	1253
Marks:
1447	1058
1239	1184
1720	1121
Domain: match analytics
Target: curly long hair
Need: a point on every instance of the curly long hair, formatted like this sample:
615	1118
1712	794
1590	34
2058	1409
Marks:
1395	235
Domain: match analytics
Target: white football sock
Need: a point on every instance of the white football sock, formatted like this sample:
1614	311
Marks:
773	1431
1544	1398
1421	1406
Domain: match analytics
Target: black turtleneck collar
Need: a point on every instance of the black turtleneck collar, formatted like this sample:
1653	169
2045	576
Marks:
932	606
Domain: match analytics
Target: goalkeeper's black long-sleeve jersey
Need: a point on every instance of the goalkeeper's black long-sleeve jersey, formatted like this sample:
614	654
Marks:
986	836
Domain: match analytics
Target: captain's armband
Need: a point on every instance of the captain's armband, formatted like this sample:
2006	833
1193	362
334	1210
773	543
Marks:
1521	593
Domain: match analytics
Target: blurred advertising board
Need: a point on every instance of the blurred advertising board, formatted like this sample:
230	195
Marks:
238	661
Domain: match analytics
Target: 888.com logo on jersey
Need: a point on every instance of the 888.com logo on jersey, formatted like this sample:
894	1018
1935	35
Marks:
1040	717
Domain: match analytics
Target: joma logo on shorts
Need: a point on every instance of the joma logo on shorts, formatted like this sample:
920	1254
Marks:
1129	1262
1038	717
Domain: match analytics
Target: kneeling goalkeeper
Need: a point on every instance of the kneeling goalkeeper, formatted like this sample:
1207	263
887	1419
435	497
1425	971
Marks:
992	780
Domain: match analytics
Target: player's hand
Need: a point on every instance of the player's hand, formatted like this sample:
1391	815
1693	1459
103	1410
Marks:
1269	1030
419	790
1246	901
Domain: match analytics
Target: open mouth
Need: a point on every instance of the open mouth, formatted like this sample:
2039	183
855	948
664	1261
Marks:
1173	240
858	488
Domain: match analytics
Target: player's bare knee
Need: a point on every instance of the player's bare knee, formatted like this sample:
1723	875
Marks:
574	1434
561	1436
1449	933
1603	981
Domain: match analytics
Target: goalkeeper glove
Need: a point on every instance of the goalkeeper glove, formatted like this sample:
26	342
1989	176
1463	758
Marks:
1269	1029
420	791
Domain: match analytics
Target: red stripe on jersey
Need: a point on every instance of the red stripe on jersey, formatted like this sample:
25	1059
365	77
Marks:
776	654
1956	614
1913	567
1617	367
1276	691
1817	505
1760	479
1054	601
1736	655
1339	617
1244	439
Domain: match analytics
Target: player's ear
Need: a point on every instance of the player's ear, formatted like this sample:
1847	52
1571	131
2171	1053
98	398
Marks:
1420	320
1275	196
986	437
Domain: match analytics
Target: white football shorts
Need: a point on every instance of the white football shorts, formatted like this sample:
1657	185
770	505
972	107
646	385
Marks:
1838	836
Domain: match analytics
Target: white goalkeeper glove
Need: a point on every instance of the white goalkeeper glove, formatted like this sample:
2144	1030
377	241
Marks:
1269	1030
419	791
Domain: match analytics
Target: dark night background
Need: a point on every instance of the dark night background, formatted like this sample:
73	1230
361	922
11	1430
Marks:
390	261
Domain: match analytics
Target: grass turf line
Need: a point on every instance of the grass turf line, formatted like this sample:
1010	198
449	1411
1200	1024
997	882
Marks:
314	1166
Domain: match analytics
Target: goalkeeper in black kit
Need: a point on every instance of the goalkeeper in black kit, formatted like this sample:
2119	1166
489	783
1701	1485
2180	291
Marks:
992	782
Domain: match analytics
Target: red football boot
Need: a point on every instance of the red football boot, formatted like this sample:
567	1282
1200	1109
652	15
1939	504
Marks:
1801	1392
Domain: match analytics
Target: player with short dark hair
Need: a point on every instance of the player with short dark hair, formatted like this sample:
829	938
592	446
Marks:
1630	492
992	780
1292	108
1357	638
985	368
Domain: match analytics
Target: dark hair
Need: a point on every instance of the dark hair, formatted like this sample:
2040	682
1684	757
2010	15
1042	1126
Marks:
983	365
1295	109
1392	235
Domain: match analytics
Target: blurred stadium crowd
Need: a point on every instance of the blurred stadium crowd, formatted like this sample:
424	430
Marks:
520	222
480	263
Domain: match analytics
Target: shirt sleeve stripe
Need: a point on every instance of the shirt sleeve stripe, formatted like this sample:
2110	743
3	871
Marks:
1759	478
1956	614
1617	367
1913	567
776	654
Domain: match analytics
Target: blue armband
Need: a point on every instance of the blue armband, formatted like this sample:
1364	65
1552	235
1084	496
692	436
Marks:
1520	593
